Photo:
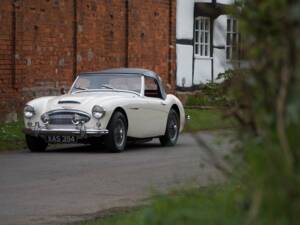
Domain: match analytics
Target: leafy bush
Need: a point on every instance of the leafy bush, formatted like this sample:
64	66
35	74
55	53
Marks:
265	99
210	95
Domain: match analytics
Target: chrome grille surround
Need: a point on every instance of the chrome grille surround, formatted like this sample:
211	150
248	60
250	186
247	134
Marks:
66	116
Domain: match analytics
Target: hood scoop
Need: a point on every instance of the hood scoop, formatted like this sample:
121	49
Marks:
68	102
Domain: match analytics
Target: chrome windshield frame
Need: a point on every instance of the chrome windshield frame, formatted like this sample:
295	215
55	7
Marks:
108	90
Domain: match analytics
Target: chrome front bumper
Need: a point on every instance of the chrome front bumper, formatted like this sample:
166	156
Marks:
80	131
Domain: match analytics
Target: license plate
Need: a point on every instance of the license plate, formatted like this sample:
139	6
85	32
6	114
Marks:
62	139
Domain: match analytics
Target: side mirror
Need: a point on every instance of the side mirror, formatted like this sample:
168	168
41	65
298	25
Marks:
63	91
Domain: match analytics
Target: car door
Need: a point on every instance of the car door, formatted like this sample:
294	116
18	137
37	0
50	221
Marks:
154	109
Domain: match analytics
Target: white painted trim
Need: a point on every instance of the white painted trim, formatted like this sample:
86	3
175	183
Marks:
203	57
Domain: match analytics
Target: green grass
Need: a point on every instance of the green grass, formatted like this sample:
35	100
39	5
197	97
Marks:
121	217
198	101
209	206
11	136
206	120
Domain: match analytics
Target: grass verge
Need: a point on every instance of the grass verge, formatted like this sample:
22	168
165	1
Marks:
11	136
209	206
206	120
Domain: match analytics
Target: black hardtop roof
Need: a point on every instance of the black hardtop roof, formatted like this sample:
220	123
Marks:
125	71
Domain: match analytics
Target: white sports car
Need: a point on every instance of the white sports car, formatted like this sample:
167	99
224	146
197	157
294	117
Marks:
111	107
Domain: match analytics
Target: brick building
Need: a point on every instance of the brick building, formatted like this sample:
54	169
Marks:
45	43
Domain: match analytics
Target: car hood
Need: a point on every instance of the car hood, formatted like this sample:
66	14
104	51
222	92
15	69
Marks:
83	101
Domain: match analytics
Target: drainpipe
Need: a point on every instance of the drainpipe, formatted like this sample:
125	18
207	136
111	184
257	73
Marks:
126	33
13	45
170	43
214	2
74	38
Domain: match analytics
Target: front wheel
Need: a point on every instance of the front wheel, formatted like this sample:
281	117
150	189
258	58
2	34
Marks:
172	130
36	144
117	137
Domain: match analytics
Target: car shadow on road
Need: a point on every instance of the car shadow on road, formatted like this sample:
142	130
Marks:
100	148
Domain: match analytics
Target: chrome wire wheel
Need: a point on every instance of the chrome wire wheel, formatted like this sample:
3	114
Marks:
117	136
173	127
172	130
119	133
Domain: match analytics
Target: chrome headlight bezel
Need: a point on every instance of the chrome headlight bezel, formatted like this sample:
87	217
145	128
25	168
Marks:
29	112
98	112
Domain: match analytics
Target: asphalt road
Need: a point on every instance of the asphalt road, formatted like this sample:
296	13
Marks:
70	184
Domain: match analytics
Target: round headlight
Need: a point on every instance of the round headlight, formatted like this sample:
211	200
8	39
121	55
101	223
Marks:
98	112
28	112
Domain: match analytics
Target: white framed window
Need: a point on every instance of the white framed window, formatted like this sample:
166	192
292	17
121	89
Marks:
233	39
202	37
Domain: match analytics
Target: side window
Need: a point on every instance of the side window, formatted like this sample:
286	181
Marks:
202	37
151	88
233	40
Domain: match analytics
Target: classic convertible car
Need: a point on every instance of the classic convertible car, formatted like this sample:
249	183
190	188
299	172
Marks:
109	107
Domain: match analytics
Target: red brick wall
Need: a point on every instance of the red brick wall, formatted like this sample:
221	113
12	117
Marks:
39	51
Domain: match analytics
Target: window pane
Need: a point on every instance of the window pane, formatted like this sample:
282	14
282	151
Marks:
228	53
234	25
206	24
228	25
196	49
201	39
228	39
197	36
206	37
201	50
234	41
206	50
197	24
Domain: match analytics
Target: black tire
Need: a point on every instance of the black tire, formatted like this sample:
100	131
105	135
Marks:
172	130
116	139
36	144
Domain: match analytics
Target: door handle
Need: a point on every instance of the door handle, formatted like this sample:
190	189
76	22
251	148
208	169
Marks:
163	103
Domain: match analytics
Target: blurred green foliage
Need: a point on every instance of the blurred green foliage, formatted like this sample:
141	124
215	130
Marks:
264	97
210	206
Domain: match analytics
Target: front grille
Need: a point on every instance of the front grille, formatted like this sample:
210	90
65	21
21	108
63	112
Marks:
66	117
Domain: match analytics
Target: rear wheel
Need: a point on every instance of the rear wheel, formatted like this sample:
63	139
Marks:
117	137
172	130
36	144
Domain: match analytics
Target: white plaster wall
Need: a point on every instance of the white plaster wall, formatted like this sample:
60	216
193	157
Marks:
202	70
227	2
184	65
184	30
185	19
220	64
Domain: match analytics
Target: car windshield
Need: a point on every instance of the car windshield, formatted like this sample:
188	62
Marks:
96	82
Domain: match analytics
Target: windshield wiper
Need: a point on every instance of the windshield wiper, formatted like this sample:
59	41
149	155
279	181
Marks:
107	86
81	88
